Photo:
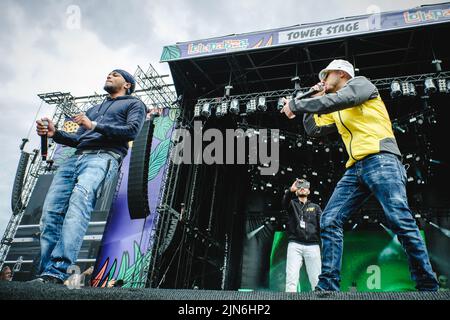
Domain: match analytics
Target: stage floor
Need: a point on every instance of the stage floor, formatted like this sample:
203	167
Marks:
26	291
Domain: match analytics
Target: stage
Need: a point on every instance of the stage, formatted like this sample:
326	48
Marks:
26	291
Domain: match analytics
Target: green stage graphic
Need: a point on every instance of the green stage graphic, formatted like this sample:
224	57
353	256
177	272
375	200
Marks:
372	261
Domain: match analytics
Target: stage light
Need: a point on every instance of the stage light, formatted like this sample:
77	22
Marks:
429	85
234	106
280	104
314	173
405	88
420	120
299	144
222	109
408	89
433	161
366	217
197	110
442	85
289	169
327	149
309	143
398	128
251	106
437	65
282	137
396	90
269	185
341	149
443	230
228	90
262	103
412	90
206	110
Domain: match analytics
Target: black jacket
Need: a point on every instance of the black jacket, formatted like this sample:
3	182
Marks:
297	211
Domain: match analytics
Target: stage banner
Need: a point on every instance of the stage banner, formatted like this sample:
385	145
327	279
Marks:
124	251
373	261
370	23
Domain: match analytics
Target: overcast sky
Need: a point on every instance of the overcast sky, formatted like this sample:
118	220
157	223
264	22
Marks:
43	49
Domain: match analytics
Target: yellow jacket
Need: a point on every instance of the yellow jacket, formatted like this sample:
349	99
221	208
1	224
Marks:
357	112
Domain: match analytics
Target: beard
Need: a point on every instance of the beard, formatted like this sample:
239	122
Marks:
110	88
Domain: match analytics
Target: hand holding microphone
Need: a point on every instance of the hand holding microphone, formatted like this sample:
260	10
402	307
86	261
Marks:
46	129
315	91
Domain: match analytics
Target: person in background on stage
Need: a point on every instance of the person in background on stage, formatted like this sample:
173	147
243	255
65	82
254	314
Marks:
101	143
353	107
303	230
6	274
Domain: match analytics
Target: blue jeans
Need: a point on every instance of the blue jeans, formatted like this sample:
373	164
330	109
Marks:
67	209
384	176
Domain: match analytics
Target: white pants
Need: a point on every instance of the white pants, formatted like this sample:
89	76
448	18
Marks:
295	254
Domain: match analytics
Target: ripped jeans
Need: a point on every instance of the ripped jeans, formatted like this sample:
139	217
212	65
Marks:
384	176
67	209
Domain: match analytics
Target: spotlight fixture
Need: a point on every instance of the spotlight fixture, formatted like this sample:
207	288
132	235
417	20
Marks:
222	109
280	104
251	106
206	110
429	85
398	128
262	103
197	110
405	88
437	65
408	89
442	85
234	106
228	90
396	90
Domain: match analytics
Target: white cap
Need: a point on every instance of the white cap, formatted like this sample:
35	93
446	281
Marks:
338	64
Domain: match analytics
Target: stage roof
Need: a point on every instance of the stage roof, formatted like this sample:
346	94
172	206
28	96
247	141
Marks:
379	45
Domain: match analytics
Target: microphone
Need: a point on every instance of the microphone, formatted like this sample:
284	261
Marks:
309	93
44	144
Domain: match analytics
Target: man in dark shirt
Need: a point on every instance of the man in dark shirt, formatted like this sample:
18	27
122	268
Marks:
101	143
303	229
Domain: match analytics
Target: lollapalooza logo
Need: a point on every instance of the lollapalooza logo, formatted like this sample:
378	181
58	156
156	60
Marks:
226	45
422	16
